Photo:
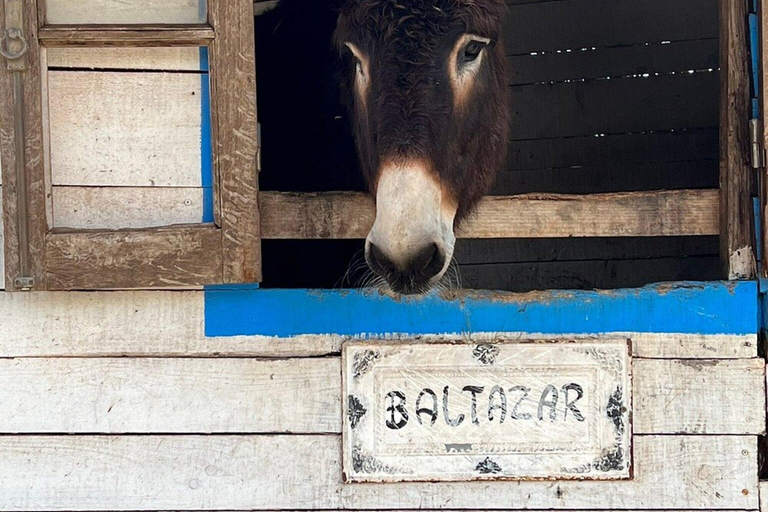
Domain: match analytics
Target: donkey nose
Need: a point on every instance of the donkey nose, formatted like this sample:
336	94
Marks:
412	275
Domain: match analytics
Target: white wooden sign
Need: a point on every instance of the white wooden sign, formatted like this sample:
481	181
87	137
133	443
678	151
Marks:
524	410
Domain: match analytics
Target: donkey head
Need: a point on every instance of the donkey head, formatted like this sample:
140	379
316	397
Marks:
428	97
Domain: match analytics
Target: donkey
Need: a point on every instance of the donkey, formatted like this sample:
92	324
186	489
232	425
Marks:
426	87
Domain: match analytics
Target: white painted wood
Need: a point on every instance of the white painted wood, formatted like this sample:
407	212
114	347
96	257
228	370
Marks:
763	496
700	396
2	246
459	412
165	58
125	207
165	323
225	395
303	472
125	11
125	129
171	395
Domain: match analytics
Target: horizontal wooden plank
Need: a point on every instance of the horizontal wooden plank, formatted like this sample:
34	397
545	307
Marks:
130	129
588	274
620	105
76	12
167	59
711	397
253	473
165	323
351	215
125	35
161	257
125	207
624	177
575	24
617	61
614	150
189	396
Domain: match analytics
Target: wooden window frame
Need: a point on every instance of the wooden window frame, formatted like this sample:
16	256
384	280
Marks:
227	251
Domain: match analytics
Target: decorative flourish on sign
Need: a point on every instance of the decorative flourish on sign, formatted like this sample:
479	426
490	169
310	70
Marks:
615	410
610	359
355	410
364	463
610	460
488	467
486	353
363	362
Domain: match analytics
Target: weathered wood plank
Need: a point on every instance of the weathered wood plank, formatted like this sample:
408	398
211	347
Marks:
252	472
711	397
736	211
129	129
599	63
614	106
533	27
764	495
164	323
21	145
161	257
233	89
194	396
126	35
171	395
350	215
2	244
125	208
168	59
77	12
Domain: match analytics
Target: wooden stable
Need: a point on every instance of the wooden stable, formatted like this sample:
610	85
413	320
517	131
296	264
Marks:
130	160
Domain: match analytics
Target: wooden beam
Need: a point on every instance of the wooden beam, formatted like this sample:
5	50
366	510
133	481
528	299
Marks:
233	111
163	257
23	168
350	215
125	35
736	211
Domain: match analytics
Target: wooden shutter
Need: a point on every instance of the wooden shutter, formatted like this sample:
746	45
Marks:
52	129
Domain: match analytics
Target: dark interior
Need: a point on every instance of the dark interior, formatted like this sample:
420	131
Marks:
607	96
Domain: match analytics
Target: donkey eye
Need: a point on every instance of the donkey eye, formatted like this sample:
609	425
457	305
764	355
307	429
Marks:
472	51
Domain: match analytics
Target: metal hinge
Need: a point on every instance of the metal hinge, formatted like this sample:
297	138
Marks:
756	144
258	147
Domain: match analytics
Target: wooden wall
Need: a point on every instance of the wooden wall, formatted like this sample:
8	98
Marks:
606	96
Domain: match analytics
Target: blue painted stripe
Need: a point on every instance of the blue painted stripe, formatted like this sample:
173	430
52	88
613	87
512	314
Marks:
206	146
758	228
202	11
703	308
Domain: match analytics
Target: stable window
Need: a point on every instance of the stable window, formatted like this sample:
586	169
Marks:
129	144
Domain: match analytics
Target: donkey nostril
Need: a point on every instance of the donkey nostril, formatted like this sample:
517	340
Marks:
429	261
378	261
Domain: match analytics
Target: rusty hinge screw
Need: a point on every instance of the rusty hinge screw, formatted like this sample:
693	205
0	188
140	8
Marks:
24	283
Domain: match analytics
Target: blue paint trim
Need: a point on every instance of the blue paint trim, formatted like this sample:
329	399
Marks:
202	11
206	145
701	308
758	229
231	287
754	45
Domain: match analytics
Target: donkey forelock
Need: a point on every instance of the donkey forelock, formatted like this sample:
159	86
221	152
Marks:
426	85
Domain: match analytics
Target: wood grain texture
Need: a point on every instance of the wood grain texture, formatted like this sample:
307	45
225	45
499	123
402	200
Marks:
233	92
702	397
127	129
167	59
736	211
256	472
171	324
126	35
33	158
350	215
162	257
79	12
125	207
171	395
198	396
2	242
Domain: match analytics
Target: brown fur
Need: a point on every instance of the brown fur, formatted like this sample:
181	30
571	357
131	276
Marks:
409	111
